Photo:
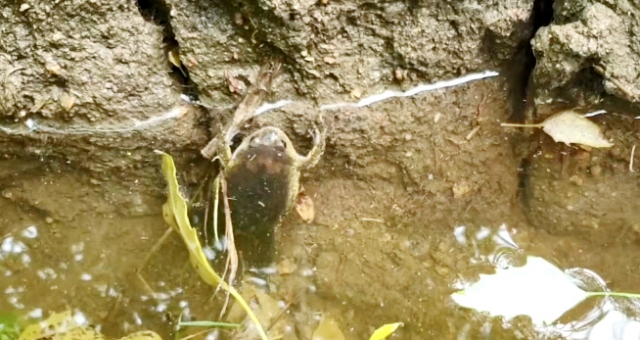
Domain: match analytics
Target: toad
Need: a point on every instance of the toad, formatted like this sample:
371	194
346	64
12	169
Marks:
262	175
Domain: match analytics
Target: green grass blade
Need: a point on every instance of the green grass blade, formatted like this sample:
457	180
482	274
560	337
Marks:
215	324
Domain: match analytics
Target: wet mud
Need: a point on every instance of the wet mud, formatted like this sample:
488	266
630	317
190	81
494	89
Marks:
83	109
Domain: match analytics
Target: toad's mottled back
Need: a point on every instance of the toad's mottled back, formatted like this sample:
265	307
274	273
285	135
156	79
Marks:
263	182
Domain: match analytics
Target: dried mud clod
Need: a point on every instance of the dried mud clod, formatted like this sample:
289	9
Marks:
106	57
334	48
589	42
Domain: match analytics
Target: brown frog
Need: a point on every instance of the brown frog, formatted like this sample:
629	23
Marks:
262	177
262	173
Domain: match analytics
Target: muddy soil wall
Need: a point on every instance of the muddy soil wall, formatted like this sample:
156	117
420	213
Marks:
88	89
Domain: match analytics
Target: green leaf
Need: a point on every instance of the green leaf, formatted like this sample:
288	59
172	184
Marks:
9	326
384	331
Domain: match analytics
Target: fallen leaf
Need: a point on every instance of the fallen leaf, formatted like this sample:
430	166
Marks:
384	331
174	58
570	127
54	324
305	208
9	326
538	289
62	326
328	329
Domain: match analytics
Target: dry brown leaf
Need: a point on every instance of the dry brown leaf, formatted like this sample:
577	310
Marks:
305	208
570	127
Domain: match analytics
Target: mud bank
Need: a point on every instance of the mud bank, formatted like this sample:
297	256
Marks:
90	89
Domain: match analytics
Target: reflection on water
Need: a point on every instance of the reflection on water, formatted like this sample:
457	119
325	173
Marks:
596	319
605	320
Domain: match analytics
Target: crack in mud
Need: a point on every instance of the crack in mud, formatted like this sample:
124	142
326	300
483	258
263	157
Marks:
158	12
523	62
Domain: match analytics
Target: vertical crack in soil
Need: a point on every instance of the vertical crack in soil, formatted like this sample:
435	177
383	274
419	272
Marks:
158	12
520	89
523	62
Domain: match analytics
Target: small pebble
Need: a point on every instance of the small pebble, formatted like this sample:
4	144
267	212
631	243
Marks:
238	19
356	93
330	60
442	271
286	267
399	74
576	180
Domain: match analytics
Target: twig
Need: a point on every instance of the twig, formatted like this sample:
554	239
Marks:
521	125
595	113
633	151
216	205
10	72
232	254
369	219
246	109
601	70
147	257
472	132
285	309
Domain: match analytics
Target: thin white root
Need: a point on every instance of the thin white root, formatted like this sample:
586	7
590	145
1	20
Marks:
521	125
633	151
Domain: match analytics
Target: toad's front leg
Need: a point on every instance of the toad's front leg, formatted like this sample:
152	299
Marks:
319	143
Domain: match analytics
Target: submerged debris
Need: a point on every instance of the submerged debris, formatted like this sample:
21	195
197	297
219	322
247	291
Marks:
305	208
327	329
385	331
63	326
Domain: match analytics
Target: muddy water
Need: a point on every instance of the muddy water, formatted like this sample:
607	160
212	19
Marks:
390	242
